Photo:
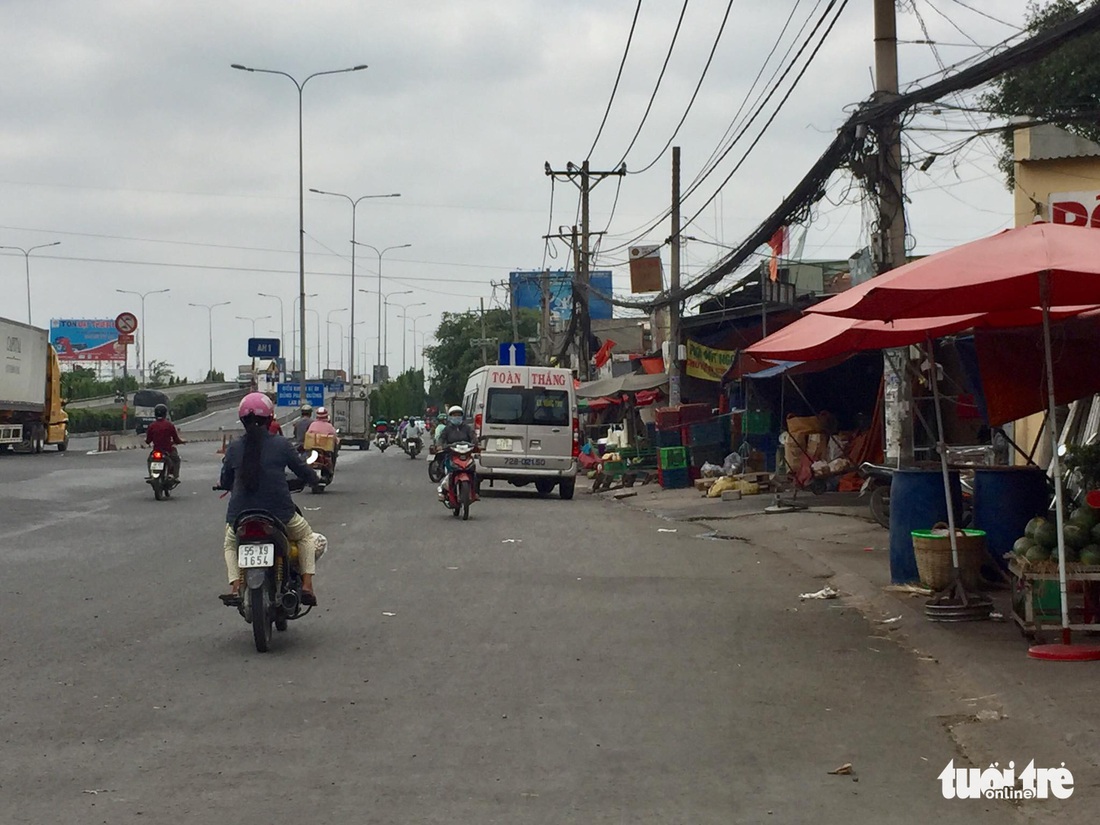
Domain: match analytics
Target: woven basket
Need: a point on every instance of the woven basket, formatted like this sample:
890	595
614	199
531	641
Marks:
933	554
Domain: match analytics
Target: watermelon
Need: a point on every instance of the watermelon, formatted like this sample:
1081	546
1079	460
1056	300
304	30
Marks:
1038	553
1094	534
1091	554
1076	536
1046	534
1086	517
1022	545
1034	525
1072	554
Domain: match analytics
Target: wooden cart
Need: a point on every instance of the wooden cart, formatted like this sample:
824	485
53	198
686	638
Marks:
1032	583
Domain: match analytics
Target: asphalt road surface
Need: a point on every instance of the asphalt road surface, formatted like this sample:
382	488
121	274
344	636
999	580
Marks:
545	662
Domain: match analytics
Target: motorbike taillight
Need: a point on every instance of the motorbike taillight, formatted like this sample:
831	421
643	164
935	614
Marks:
157	455
253	530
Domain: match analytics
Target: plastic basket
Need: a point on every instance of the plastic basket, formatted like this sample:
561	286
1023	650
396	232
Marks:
674	479
691	413
668	438
756	422
933	554
671	458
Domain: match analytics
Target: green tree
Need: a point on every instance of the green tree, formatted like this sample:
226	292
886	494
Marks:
214	377
1063	88
454	355
161	374
403	396
81	382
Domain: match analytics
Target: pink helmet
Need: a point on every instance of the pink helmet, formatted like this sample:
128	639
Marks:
257	404
322	413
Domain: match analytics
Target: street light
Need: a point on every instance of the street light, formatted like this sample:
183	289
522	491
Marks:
384	317
27	257
210	321
354	203
282	338
294	336
253	320
301	195
328	335
143	358
381	322
405	325
319	373
414	320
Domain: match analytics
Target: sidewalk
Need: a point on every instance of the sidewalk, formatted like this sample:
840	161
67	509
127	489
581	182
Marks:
1003	705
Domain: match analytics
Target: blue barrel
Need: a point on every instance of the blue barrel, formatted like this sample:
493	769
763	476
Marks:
917	502
1005	499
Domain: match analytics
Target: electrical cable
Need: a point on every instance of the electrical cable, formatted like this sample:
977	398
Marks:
618	77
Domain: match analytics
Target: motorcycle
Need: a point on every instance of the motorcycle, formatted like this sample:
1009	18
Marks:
876	484
382	441
268	559
324	463
413	446
436	466
458	486
158	476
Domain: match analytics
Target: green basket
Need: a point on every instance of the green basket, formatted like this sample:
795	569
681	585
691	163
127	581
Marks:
614	468
756	422
672	458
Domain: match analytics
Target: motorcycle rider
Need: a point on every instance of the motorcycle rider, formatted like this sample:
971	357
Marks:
458	430
321	435
254	470
164	436
302	424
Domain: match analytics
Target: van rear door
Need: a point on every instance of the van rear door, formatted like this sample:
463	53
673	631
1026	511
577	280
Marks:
549	428
504	427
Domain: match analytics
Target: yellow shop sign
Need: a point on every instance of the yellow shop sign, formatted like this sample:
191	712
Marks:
706	362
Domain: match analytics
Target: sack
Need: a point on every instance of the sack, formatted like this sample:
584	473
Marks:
709	470
721	485
803	425
733	464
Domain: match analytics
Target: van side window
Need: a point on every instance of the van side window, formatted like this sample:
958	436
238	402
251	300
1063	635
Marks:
535	406
550	407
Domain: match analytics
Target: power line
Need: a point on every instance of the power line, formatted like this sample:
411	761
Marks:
618	77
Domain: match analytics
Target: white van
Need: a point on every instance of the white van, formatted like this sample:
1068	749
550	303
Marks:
527	427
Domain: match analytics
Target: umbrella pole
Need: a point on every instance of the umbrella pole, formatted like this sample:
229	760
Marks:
941	448
1056	469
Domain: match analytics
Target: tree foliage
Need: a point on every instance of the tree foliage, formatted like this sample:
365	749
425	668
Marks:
1063	88
403	396
81	382
162	374
455	356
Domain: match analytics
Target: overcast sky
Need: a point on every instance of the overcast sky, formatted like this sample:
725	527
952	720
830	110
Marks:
127	137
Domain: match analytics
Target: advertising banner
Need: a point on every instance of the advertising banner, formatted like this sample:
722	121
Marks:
527	289
86	339
645	269
1075	208
706	362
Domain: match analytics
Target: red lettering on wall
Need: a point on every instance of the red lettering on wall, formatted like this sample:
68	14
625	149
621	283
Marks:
1070	213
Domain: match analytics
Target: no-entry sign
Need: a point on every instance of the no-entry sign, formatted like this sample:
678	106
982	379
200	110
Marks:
126	323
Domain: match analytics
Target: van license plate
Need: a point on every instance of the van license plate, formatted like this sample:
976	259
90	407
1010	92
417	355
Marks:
256	555
504	445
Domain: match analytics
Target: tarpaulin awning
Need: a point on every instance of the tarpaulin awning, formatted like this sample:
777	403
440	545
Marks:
620	384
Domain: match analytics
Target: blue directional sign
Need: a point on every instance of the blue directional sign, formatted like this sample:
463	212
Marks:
263	348
512	354
289	395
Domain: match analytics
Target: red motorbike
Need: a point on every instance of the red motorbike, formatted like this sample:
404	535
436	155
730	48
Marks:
458	486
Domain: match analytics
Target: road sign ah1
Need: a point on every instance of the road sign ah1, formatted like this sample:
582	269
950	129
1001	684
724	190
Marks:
512	354
263	348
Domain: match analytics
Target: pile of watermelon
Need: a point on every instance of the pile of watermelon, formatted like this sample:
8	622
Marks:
1081	532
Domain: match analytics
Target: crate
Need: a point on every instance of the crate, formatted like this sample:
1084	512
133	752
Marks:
613	468
674	479
691	413
704	453
672	458
756	422
668	438
714	431
668	418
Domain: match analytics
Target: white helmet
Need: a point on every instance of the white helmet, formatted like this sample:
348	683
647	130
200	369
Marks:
455	410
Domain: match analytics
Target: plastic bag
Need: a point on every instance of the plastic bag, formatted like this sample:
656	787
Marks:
721	485
733	464
709	470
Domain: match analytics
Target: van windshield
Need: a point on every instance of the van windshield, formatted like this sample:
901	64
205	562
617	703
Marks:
520	406
149	398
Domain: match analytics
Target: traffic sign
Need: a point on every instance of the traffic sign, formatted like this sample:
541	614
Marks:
289	395
126	323
263	348
512	354
125	338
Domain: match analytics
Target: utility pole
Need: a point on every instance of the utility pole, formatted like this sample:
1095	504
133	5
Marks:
484	355
547	336
515	311
891	232
674	308
584	268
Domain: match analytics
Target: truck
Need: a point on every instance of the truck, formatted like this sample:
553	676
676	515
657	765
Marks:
244	375
351	418
31	412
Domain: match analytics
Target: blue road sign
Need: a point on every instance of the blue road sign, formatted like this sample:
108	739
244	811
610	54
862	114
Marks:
289	395
512	354
263	348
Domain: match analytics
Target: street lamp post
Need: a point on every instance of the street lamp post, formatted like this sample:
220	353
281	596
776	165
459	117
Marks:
414	320
143	358
354	203
301	196
328	335
318	314
404	328
282	337
381	320
294	337
27	258
384	318
210	327
253	320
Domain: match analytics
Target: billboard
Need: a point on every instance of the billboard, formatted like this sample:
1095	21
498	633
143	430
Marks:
527	289
86	339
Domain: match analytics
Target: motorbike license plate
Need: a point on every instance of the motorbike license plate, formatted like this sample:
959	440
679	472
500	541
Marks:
504	445
156	467
255	555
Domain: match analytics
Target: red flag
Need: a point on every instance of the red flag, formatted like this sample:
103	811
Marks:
780	244
604	354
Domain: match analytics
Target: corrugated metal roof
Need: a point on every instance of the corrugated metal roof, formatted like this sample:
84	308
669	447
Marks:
1049	142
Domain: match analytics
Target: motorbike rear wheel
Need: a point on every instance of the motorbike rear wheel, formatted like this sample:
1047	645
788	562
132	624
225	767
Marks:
880	506
158	491
464	499
436	471
262	618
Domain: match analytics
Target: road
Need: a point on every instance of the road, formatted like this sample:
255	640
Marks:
545	662
179	389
